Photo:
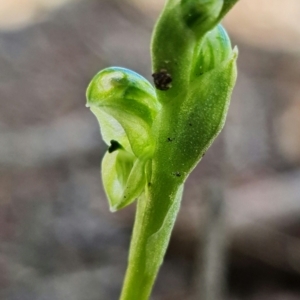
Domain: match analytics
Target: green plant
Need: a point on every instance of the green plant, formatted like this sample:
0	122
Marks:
157	135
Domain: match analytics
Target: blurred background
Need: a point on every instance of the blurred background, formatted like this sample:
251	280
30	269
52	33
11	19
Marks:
238	232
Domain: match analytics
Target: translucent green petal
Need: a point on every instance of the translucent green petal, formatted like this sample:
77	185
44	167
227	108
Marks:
113	181
134	186
130	105
123	177
110	128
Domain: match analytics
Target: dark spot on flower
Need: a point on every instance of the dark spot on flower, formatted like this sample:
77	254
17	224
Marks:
114	146
162	80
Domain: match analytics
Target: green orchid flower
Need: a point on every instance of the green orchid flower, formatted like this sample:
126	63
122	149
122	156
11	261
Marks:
125	105
157	134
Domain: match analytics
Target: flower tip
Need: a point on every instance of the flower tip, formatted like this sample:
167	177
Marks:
235	51
113	209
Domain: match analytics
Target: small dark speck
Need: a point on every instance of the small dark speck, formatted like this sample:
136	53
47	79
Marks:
177	174
203	154
190	124
170	140
149	184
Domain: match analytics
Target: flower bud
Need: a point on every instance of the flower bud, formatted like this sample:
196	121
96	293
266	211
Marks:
214	49
201	15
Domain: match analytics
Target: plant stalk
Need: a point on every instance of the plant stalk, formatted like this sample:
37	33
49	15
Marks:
156	213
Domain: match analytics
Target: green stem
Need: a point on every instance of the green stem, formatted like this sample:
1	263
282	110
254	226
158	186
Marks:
157	209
